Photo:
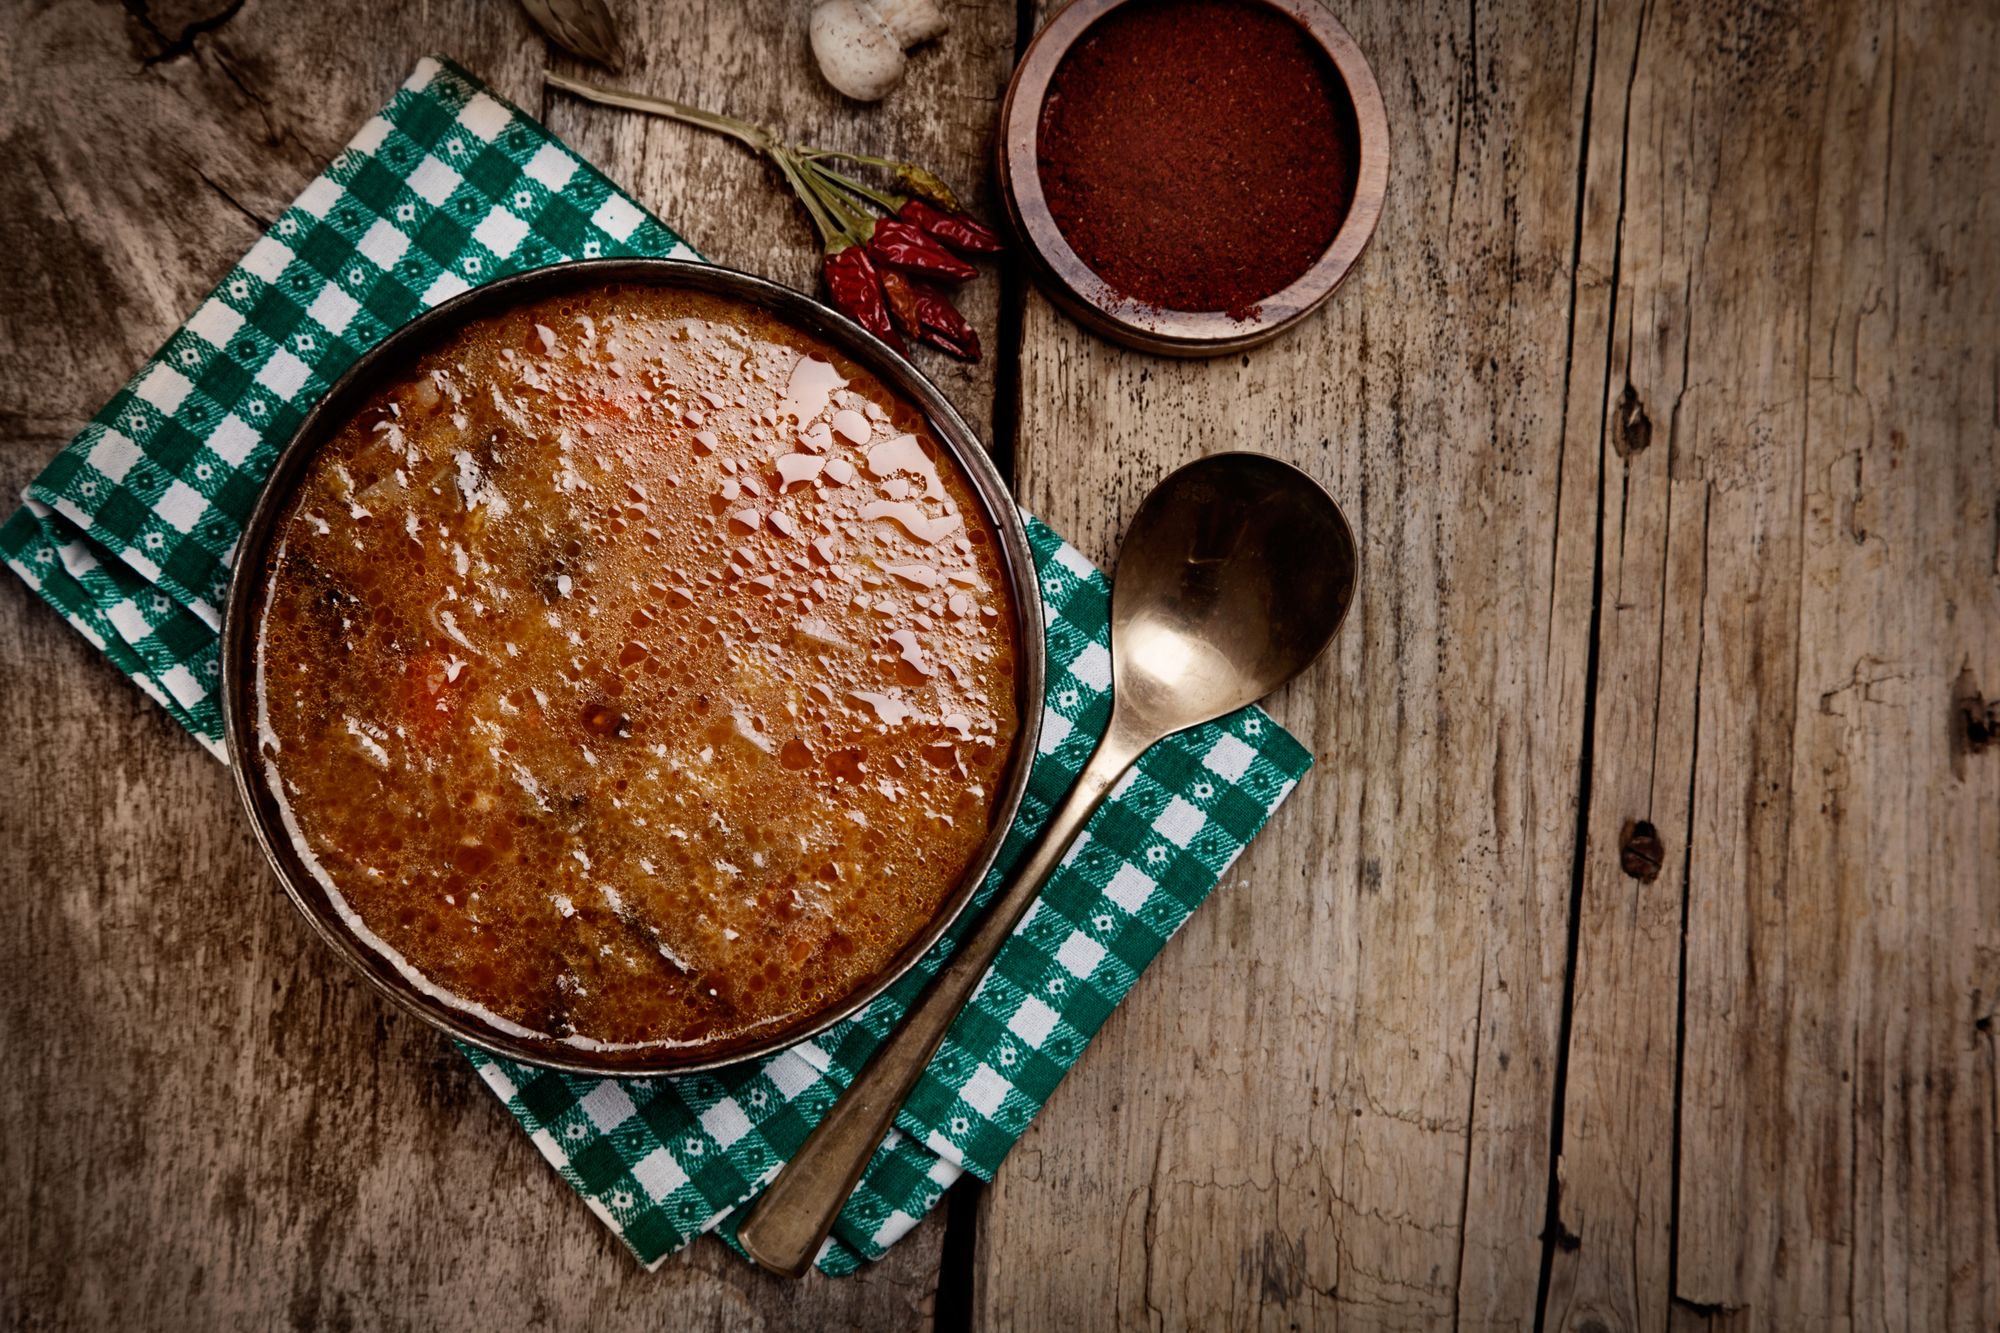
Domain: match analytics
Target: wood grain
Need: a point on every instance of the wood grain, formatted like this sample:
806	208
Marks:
1797	562
1259	1174
1330	1099
1630	959
1870	1193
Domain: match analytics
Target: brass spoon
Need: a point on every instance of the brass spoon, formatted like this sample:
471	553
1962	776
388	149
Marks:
1236	572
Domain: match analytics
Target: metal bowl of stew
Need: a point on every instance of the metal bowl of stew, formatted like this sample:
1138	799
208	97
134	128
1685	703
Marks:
379	367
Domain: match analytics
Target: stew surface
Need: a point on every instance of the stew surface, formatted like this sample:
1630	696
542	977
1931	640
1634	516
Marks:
636	672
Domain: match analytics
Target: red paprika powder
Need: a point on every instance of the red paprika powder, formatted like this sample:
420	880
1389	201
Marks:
1198	154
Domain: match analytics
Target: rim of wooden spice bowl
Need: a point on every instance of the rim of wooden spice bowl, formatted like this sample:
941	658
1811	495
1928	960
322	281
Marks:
390	358
1093	302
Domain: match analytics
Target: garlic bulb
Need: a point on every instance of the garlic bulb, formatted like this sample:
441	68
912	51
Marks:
860	43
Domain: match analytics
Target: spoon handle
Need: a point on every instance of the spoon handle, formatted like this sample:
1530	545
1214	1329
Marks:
785	1230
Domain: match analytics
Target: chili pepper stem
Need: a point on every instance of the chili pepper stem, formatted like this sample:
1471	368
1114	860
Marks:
751	135
832	221
829	229
885	163
842	207
853	210
882	199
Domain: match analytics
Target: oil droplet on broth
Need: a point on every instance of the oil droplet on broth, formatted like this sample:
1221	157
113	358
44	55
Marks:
709	760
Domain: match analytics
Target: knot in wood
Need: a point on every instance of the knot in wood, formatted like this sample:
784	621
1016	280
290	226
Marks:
1982	722
1640	851
1975	721
1634	429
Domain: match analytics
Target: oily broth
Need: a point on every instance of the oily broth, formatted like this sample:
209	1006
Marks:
636	672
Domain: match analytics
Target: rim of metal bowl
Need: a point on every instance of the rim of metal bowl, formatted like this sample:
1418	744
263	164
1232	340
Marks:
1097	305
347	396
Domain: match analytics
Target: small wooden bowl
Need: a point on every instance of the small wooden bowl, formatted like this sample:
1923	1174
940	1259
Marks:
1090	300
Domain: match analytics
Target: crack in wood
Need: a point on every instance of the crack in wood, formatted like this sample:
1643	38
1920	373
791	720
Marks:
1466	105
1471	1120
1703	1309
1553	1233
250	215
1561	1236
1687	906
181	43
1152	1213
1569	334
956	1299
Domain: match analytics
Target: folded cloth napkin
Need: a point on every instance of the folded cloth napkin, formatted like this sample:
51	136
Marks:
129	532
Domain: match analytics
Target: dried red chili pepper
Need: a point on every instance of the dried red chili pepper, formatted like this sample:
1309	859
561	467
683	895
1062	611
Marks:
956	230
940	324
901	295
904	246
968	352
917	237
857	292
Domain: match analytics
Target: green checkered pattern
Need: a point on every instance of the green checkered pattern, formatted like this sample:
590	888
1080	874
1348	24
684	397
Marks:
129	532
446	188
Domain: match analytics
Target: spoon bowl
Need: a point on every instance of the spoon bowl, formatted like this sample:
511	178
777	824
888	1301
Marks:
1236	573
1237	570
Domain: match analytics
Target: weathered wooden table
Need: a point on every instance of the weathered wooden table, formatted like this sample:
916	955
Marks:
1629	961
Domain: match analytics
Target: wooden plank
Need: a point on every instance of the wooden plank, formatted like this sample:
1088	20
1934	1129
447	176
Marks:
1329	1099
1838	1125
1642	223
1791	586
211	1124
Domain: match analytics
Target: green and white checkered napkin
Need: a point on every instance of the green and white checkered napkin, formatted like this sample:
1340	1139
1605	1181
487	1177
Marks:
129	532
